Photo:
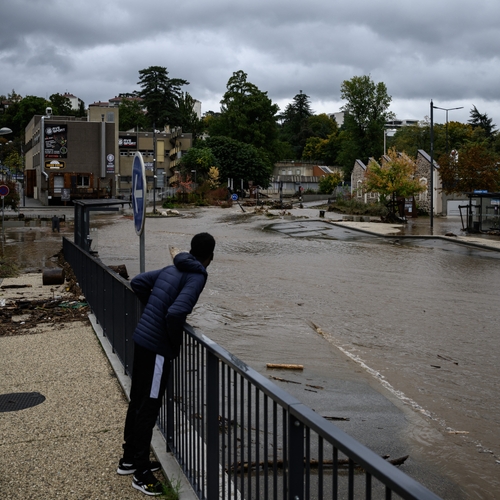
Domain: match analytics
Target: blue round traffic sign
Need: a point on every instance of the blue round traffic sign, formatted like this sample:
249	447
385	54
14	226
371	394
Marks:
4	190
234	197
139	193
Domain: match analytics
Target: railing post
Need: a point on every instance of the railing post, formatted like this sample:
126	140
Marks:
170	409
295	458
212	392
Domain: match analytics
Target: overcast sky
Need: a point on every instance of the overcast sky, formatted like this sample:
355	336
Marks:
445	50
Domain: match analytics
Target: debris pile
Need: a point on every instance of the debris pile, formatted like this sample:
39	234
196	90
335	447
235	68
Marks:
20	317
24	306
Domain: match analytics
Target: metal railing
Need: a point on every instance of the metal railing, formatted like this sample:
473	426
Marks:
235	434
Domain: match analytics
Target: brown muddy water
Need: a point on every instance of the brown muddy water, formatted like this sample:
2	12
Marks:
418	320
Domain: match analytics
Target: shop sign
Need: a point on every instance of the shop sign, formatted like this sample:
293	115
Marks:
56	141
54	165
110	164
127	142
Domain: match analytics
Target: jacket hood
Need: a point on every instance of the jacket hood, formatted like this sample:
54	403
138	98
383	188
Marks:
185	262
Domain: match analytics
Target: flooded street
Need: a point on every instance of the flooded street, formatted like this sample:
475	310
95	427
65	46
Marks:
417	320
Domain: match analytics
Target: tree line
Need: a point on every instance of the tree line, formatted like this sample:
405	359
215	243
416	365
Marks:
249	134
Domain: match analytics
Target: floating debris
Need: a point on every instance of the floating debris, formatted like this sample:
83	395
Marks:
284	366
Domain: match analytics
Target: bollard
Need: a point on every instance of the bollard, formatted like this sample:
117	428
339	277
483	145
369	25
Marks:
321	213
55	224
54	276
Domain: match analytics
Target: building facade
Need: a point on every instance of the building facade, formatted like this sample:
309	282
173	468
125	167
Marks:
69	158
422	173
170	146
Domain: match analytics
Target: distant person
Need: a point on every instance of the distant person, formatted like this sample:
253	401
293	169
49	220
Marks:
169	295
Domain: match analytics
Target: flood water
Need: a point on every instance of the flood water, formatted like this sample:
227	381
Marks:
417	320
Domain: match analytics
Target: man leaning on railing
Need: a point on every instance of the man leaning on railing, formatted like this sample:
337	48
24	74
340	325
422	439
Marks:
169	295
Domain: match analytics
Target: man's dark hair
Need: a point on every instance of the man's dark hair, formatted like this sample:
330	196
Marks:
202	246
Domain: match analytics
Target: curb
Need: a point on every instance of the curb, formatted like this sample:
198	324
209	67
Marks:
416	236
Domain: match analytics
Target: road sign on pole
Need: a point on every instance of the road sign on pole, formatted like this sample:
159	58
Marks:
4	191
139	205
139	193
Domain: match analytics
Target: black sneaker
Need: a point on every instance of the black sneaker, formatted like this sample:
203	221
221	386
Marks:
125	468
148	484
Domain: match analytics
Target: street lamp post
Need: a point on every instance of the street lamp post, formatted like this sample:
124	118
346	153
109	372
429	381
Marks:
432	155
154	168
447	109
194	171
387	132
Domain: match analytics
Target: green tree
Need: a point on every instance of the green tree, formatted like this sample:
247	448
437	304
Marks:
313	148
475	167
132	115
200	158
323	145
414	137
61	105
366	113
411	138
240	161
161	96
20	112
329	182
322	125
481	120
14	162
296	127
247	115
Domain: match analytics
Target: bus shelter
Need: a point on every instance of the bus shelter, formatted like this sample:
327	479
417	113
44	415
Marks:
82	217
481	213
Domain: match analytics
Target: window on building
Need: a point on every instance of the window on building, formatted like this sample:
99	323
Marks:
297	171
283	172
359	189
82	181
110	116
423	195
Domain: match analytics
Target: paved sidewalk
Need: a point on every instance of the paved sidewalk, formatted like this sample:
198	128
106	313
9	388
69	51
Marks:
68	446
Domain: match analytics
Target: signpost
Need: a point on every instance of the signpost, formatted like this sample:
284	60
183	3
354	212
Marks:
139	204
235	198
4	191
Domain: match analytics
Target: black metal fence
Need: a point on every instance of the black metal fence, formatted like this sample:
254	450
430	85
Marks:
235	434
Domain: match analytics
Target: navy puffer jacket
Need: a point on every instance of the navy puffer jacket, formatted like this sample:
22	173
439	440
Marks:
169	295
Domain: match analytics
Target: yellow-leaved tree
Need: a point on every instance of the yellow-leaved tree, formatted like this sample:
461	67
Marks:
213	177
392	178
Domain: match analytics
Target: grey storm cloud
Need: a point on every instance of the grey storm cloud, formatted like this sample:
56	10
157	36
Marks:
446	50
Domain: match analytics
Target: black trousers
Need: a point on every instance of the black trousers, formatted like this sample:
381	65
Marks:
149	380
